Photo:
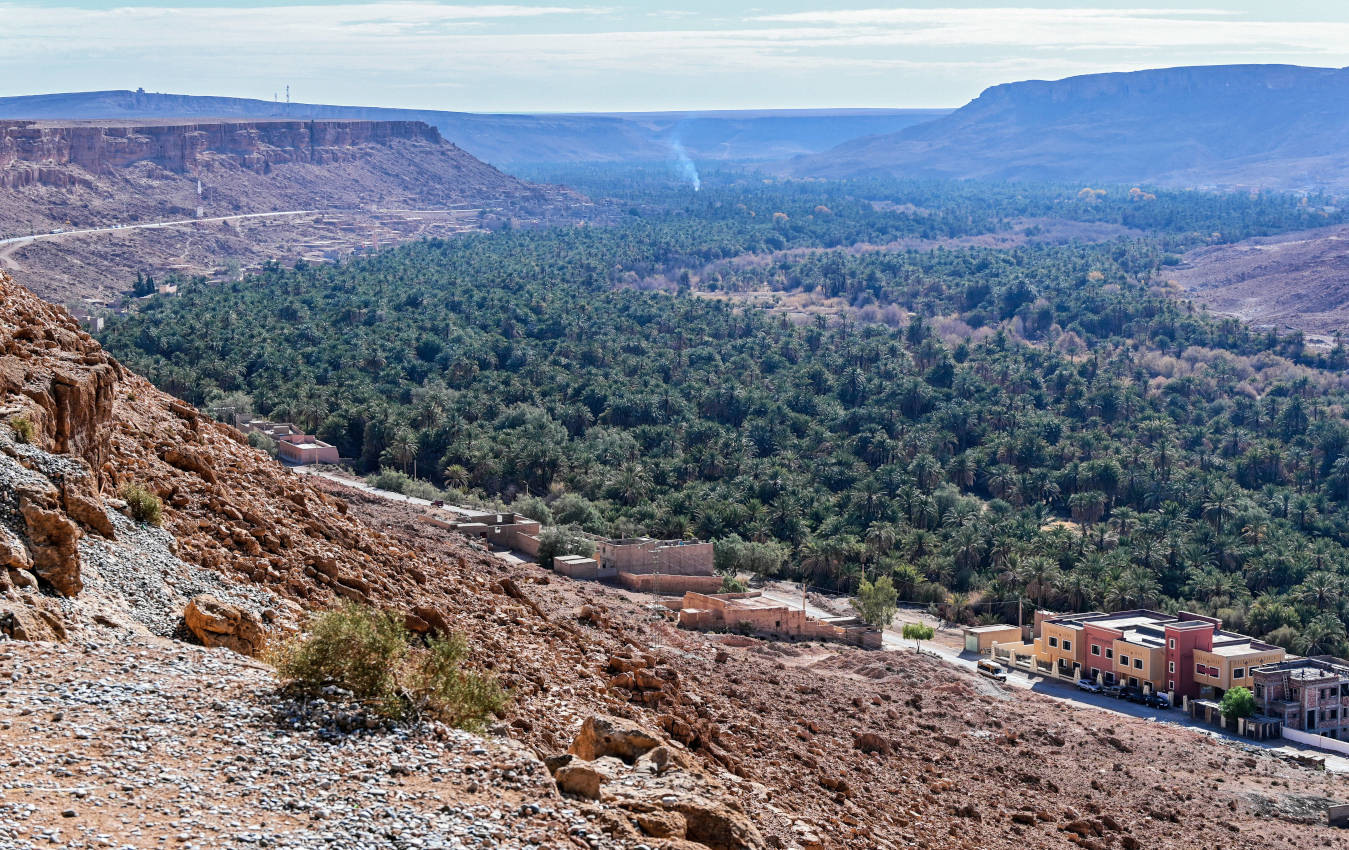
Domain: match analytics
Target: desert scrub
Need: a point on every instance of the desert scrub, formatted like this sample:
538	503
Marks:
23	429
371	654
145	506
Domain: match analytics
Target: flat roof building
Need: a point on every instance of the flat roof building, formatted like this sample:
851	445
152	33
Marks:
1185	654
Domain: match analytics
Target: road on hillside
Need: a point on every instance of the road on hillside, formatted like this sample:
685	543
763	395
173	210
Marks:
358	484
18	240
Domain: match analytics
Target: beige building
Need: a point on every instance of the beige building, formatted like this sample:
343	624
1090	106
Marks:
756	614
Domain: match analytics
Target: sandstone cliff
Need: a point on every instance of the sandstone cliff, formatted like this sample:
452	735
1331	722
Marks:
245	191
33	153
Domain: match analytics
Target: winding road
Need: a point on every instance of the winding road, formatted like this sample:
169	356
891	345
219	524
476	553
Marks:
36	237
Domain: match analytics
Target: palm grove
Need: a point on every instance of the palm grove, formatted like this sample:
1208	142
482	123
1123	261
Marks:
1041	422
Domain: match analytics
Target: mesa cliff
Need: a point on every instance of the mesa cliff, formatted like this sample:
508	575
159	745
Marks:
85	206
41	153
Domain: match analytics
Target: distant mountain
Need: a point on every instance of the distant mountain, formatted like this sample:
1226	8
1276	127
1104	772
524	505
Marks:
505	140
1276	126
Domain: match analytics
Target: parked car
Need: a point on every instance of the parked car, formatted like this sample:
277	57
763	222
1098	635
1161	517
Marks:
1111	690
1088	685
1132	694
1161	701
992	670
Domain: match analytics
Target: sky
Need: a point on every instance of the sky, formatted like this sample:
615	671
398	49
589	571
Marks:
592	55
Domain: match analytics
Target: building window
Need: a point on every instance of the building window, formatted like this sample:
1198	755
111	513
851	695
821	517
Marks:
1170	666
1124	659
1238	672
1170	684
1095	672
1200	669
1172	643
1067	646
1054	642
1109	653
1138	664
1095	649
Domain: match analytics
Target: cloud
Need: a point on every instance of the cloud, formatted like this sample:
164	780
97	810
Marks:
583	51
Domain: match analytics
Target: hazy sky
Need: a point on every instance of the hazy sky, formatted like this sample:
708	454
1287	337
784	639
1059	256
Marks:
584	56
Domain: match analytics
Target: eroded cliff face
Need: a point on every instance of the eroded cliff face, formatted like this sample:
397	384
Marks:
41	154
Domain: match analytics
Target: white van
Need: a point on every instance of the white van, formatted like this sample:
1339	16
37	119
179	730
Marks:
992	670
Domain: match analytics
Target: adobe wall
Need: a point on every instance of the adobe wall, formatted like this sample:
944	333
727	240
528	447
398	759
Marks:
666	583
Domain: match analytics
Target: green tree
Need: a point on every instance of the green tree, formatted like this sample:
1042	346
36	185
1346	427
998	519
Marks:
1237	703
562	540
917	632
876	601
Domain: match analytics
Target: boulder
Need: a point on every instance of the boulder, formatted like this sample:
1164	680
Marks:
216	623
720	826
87	509
582	780
53	538
612	736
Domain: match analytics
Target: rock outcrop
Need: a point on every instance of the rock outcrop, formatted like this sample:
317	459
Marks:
76	428
33	153
216	623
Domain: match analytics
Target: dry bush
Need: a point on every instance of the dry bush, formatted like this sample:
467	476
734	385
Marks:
371	654
145	506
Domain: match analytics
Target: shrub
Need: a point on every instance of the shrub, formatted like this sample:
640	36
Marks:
23	429
447	691
732	585
145	506
259	440
370	653
1238	702
354	647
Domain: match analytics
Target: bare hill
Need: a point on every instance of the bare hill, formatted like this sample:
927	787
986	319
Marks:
323	182
1276	126
678	740
1294	280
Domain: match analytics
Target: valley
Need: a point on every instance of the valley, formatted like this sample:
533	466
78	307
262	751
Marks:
779	479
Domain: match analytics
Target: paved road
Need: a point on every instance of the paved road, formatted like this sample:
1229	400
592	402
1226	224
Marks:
1070	695
358	484
15	240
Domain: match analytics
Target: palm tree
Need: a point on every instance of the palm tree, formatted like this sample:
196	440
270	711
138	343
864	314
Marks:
1324	635
880	538
1037	574
456	476
403	448
1320	590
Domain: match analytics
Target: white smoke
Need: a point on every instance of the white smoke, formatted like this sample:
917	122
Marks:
687	170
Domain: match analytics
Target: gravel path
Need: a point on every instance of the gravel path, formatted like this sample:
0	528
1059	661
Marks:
135	742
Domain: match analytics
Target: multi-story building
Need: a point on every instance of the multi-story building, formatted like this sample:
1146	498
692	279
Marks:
1185	655
1307	694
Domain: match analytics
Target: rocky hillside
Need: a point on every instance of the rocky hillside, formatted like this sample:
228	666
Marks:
624	731
1273	126
61	179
